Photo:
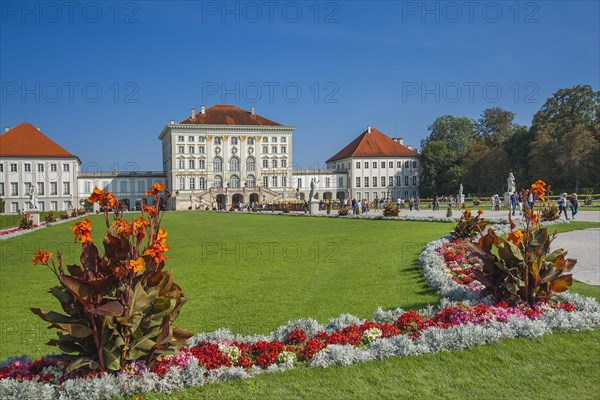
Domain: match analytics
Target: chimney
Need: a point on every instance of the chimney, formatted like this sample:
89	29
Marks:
38	128
252	110
6	129
369	129
409	147
398	140
193	113
172	122
202	110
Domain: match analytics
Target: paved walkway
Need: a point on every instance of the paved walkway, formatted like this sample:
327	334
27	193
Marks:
584	246
590	216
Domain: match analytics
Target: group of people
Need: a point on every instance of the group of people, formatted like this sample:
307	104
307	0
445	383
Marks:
525	197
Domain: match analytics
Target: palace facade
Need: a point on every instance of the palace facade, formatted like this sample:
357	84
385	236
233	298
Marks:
217	157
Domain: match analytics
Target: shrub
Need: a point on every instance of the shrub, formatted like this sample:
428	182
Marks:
469	226
343	211
520	267
476	201
26	222
549	212
64	216
390	209
286	208
50	217
119	306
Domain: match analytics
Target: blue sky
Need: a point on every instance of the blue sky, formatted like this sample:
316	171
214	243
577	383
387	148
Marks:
103	79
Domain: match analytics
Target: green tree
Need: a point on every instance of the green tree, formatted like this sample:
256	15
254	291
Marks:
436	159
457	132
495	125
567	120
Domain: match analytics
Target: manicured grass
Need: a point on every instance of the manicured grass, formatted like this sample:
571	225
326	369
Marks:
249	273
252	273
573	226
12	220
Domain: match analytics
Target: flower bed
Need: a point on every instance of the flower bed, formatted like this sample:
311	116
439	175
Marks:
345	340
14	232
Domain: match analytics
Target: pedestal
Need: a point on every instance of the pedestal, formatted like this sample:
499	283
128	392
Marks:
507	200
35	216
314	207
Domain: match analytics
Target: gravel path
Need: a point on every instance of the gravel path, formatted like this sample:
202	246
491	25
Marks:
584	246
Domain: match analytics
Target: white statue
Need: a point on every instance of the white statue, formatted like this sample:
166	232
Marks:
313	189
460	194
32	194
511	183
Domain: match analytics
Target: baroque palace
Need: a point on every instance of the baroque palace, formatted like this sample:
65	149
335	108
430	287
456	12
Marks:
216	157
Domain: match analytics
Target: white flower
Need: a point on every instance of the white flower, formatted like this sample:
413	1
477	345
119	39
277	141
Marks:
231	351
287	357
372	334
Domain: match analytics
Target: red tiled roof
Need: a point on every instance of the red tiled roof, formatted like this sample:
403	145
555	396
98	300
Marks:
227	114
25	140
373	144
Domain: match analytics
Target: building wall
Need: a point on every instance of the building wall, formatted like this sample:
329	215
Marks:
330	183
204	158
400	176
54	179
127	187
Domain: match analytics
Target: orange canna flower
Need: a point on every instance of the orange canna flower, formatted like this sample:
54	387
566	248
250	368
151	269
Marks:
82	231
103	198
156	249
538	189
149	210
479	212
139	226
137	265
155	189
516	237
467	213
41	257
123	228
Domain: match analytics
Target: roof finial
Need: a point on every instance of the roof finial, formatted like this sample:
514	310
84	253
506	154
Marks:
369	129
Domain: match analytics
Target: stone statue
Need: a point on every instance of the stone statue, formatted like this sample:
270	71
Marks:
460	194
511	183
313	189
32	194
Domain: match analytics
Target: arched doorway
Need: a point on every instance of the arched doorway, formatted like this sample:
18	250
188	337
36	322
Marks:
237	199
220	199
341	195
254	198
327	196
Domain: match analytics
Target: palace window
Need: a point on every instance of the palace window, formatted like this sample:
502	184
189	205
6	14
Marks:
53	167
357	181
265	163
383	164
367	181
182	183
266	181
383	181
191	149
234	164
201	164
250	140
217	140
283	163
192	164
190	138
181	164
234	181
13	167
327	182
275	163
250	164
217	164
66	167
251	181
180	149
40	188
406	181
180	138
275	182
192	183
398	165
201	183
53	188
40	167
374	164
414	181
66	188
218	181
14	189
265	149
358	165
398	181
234	140
284	149
284	181
27	167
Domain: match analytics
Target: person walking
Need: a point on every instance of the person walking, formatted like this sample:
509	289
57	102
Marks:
411	204
436	203
562	206
513	202
574	205
417	203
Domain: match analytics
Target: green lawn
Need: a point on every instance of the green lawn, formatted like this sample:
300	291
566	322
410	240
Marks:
252	273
